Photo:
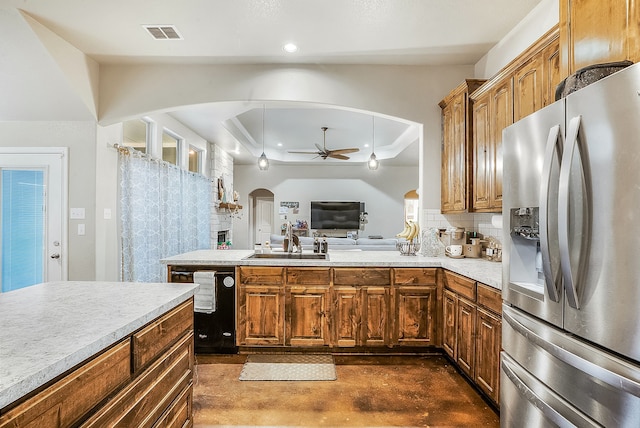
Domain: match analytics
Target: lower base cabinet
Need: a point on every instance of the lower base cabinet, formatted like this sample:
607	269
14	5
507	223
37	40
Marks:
472	331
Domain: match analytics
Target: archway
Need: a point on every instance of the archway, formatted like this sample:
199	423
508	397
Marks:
261	221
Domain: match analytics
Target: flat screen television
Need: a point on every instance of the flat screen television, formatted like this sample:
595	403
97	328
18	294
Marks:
335	215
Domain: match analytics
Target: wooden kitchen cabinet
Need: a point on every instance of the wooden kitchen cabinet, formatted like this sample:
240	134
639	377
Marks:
471	330
141	381
465	336
375	316
307	312
260	315
596	31
492	112
450	324
457	125
536	78
487	353
260	306
345	316
416	307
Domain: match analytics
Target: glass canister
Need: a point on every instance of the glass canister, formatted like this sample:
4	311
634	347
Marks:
431	244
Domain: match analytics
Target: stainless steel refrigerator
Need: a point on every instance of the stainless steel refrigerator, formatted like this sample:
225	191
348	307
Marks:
571	260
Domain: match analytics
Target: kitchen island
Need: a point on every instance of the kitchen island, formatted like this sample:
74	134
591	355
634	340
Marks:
67	346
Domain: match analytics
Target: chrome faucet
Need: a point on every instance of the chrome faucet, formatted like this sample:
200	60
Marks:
292	239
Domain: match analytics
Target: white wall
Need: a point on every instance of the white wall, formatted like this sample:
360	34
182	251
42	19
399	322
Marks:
80	137
382	191
540	20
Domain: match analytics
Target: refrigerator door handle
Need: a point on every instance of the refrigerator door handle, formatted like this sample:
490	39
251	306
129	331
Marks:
553	150
572	256
615	380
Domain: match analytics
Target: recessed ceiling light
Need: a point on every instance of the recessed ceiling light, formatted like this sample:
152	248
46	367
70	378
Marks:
279	144
290	47
366	144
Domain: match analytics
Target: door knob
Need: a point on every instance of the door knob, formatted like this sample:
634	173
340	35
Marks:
55	256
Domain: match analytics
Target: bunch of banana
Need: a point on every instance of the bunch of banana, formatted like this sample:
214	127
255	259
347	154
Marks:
410	231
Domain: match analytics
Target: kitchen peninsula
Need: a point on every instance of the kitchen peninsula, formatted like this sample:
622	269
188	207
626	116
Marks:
96	353
364	301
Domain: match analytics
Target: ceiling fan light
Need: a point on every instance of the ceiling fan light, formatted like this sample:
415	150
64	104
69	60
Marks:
263	162
373	162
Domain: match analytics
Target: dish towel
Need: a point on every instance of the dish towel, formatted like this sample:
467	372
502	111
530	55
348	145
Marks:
204	300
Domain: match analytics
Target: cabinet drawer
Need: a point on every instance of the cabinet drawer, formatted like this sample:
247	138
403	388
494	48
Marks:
66	401
490	298
460	284
308	276
362	276
415	276
261	275
143	401
179	414
149	342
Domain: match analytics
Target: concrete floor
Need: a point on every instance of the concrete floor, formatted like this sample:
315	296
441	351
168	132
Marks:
382	391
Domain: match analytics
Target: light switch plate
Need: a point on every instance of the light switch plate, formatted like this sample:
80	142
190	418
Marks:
107	213
81	229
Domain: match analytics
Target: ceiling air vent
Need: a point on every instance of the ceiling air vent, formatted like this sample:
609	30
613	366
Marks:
163	32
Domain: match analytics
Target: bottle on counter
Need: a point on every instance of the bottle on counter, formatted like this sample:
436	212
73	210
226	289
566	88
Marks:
316	245
324	246
266	248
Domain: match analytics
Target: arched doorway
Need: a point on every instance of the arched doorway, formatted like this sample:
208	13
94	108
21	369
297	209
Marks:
261	221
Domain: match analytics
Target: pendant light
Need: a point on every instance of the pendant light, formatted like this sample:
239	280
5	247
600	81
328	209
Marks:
263	162
373	161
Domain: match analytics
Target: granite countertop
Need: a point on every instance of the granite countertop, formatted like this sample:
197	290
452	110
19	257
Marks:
489	273
49	328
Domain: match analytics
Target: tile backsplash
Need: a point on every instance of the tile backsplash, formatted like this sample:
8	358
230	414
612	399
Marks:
477	222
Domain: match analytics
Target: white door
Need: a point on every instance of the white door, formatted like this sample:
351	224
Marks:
33	200
264	220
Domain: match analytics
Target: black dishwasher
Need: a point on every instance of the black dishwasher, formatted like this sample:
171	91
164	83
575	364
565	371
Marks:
214	328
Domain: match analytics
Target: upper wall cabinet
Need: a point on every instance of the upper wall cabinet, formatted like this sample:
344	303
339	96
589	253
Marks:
456	137
492	112
527	84
597	31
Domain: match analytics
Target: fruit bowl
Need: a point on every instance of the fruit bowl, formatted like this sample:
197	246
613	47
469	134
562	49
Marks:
408	248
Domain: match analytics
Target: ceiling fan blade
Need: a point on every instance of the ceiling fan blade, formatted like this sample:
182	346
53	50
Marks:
337	156
344	151
304	153
320	149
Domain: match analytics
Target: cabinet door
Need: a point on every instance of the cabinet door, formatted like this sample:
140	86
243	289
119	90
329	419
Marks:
375	314
596	31
345	316
527	88
488	344
448	161
551	75
415	322
481	153
260	315
501	117
449	325
465	336
306	316
459	152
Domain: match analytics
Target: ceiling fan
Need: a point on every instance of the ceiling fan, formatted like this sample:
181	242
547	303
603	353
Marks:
324	153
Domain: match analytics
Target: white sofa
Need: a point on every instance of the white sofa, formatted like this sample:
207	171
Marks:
364	244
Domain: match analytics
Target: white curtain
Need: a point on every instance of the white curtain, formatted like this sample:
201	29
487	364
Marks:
164	211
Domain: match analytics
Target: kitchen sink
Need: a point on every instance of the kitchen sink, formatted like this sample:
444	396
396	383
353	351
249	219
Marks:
292	256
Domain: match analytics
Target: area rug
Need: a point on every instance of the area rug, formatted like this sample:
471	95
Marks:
288	367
